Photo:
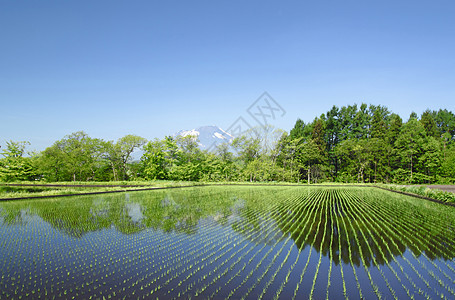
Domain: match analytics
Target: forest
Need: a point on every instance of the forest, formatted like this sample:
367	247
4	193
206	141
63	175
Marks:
352	144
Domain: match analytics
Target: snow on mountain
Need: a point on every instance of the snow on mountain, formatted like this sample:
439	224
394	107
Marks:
209	136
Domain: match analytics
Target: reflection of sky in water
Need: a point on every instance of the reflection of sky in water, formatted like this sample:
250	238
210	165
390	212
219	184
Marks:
127	238
134	212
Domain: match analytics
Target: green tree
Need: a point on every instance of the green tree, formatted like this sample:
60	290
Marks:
247	147
125	147
312	160
288	154
431	158
448	166
75	157
409	145
355	159
429	124
154	160
445	121
14	166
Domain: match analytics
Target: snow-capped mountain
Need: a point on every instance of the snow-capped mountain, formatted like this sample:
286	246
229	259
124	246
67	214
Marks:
209	136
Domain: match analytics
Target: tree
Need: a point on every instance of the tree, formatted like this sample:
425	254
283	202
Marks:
429	124
378	125
288	151
75	157
189	148
14	166
356	157
154	160
298	131
445	121
431	158
53	165
361	123
222	164
247	147
409	144
125	147
312	159
448	166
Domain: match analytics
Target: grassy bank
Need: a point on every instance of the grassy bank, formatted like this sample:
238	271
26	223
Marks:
424	191
14	190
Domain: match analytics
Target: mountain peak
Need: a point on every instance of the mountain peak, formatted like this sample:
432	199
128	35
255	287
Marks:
209	136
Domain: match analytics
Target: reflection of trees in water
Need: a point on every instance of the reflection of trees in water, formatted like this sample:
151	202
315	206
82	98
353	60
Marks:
170	211
374	237
257	214
15	217
257	228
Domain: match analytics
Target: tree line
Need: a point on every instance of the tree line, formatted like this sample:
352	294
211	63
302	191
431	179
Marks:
365	143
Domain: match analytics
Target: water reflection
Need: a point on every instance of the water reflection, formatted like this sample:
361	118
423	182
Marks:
344	227
360	226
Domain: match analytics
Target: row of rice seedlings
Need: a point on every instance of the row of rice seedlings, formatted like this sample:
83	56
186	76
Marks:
281	211
23	256
286	221
270	224
442	250
64	265
372	233
409	212
275	230
295	226
123	267
327	203
352	220
125	264
379	227
436	233
359	289
363	215
166	264
277	253
384	229
401	236
345	293
177	260
305	214
240	240
166	271
379	215
225	261
271	214
405	228
58	256
192	256
333	219
319	198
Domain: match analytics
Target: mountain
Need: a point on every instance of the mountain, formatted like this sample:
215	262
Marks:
209	136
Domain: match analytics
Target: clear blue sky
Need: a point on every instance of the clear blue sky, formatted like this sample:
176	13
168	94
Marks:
151	68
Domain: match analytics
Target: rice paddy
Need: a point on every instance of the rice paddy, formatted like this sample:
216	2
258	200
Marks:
230	242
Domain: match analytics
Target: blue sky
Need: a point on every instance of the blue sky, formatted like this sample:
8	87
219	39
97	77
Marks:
152	68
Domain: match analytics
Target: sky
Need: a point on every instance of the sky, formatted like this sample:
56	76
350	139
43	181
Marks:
152	68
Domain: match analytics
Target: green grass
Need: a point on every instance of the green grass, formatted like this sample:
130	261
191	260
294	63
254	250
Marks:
67	188
439	195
